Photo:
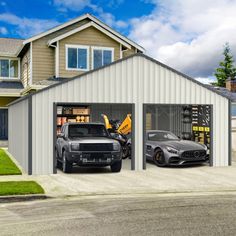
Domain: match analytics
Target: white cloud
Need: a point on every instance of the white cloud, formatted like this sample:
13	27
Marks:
207	80
75	5
3	31
27	27
186	34
78	5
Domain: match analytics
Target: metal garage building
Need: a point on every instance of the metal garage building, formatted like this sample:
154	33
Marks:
136	80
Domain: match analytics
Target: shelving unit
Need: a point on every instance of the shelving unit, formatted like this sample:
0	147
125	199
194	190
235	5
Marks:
67	113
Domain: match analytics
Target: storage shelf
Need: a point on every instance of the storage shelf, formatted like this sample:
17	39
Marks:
66	115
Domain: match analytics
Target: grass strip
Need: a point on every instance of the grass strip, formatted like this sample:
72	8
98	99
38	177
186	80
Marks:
7	166
20	188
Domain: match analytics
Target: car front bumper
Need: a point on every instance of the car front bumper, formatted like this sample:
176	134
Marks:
179	160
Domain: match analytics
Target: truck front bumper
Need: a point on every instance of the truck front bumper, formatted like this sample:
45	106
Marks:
93	158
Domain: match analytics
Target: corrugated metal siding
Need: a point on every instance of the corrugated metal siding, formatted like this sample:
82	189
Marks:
135	80
18	132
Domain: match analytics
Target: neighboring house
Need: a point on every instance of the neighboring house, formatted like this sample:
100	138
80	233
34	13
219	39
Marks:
68	50
230	92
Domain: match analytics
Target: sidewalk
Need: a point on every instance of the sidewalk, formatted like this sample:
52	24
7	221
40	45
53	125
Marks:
153	180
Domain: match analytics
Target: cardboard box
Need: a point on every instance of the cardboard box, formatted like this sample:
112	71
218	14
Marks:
71	120
67	110
81	111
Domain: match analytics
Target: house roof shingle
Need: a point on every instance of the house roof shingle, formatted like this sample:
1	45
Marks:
225	92
10	46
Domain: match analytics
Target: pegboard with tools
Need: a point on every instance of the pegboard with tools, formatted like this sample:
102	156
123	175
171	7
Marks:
201	124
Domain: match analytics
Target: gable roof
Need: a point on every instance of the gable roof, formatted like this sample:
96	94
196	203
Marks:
92	18
9	47
64	80
85	26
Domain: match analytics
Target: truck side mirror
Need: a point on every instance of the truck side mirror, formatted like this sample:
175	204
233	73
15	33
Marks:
61	135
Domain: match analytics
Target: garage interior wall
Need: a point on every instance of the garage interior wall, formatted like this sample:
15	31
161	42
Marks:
135	80
166	117
18	125
114	112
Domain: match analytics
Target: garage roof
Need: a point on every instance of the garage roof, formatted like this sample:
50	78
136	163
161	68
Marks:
225	95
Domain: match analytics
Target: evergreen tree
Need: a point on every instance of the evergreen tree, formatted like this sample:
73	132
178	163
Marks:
226	67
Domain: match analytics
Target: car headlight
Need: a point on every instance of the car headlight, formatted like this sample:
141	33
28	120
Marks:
74	146
116	146
172	150
204	146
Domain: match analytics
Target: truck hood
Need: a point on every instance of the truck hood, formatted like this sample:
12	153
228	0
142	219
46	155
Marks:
93	140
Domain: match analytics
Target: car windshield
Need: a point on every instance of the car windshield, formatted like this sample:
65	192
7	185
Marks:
87	130
162	136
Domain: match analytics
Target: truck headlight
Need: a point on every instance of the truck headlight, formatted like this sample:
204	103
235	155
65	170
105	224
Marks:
172	150
116	146
74	147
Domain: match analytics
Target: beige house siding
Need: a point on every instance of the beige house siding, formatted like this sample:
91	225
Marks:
88	37
128	52
43	57
25	68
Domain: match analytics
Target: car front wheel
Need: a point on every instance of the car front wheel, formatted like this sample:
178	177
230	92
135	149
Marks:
116	167
159	158
66	166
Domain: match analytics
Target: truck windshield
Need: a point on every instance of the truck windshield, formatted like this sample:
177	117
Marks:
87	130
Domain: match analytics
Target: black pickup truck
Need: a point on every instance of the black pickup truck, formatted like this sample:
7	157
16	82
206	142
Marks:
87	144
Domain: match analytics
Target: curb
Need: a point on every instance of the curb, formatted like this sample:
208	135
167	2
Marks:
22	198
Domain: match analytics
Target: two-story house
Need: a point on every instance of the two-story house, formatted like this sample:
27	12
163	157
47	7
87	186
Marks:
65	51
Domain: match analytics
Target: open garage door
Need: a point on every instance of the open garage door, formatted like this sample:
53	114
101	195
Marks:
114	119
177	135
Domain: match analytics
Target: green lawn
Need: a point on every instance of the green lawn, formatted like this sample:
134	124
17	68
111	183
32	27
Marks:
20	188
7	166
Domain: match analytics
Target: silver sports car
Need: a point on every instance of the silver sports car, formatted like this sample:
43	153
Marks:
164	148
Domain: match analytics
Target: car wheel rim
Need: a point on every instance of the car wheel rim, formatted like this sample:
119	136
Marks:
159	157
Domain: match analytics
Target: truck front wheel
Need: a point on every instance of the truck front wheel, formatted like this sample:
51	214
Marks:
66	165
116	167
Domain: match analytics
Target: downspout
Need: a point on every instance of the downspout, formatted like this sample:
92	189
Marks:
56	59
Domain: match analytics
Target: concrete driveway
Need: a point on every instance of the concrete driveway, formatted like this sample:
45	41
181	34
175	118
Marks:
154	180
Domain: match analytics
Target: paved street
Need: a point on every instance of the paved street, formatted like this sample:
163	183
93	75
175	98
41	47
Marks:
150	215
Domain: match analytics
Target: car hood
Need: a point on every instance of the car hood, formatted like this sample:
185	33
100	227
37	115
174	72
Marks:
184	145
93	140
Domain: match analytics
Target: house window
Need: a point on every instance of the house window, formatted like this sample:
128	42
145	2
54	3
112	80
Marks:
102	56
77	57
9	69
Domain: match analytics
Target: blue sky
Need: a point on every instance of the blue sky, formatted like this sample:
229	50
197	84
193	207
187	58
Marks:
187	35
57	12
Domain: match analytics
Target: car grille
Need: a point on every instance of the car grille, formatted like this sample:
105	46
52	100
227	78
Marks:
197	154
95	147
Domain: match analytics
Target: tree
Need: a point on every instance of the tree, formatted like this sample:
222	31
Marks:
226	67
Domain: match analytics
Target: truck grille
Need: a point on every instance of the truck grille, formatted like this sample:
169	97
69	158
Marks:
197	154
95	147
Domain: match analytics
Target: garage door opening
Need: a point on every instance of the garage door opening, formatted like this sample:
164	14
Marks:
177	135
117	120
